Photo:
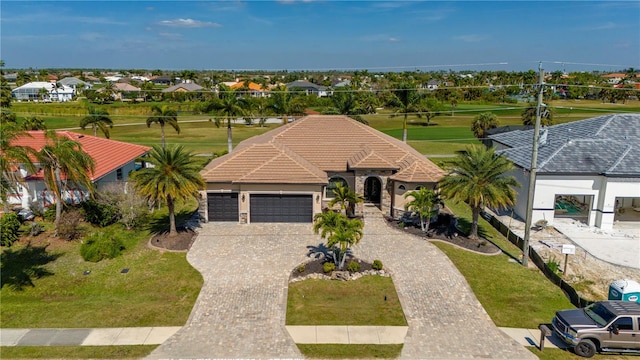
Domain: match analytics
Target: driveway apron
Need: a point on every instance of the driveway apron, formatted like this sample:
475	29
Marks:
240	312
446	321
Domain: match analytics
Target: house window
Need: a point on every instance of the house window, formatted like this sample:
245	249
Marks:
333	184
119	174
402	187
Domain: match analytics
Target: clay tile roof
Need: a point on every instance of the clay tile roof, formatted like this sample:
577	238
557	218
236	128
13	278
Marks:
415	172
368	159
251	86
107	154
263	163
328	143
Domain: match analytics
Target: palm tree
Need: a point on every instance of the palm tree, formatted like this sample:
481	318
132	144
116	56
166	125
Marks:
407	98
477	177
11	156
281	102
529	115
231	106
64	156
422	203
34	123
98	119
346	198
174	174
162	116
482	123
338	230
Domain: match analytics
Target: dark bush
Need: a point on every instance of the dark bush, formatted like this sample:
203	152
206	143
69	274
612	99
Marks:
68	226
328	267
101	245
49	214
377	265
9	228
101	213
36	229
301	268
353	266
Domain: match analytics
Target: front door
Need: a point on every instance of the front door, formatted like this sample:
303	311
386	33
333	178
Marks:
372	190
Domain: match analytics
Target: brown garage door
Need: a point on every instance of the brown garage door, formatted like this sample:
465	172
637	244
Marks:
223	207
281	208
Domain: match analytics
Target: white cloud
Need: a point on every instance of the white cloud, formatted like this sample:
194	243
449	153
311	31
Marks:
380	38
470	38
188	23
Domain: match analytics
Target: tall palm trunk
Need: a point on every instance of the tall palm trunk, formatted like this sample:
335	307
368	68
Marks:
162	135
172	216
404	128
475	215
58	196
229	138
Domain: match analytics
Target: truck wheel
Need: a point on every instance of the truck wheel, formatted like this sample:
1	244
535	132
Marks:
585	348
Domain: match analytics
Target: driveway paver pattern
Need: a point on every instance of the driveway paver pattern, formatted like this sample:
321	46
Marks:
446	320
240	312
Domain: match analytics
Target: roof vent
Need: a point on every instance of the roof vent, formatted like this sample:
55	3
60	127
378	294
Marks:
80	136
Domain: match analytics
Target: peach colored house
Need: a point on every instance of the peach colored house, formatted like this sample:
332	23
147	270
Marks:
288	174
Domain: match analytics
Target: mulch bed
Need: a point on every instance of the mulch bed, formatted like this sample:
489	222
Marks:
315	267
444	229
180	242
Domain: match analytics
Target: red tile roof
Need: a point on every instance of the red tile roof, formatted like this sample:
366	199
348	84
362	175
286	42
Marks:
315	145
107	154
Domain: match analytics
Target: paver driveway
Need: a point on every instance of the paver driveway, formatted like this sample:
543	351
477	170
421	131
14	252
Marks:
240	312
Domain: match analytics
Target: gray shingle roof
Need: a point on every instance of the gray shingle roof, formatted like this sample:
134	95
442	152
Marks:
608	145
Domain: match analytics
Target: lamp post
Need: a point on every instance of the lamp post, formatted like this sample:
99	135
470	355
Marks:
532	173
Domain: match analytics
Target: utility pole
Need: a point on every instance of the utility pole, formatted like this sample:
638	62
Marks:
532	173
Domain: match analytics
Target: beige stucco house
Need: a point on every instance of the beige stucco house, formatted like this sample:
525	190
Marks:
288	174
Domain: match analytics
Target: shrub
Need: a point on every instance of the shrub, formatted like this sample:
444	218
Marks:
68	226
377	265
353	266
301	268
49	214
553	265
328	267
9	229
36	229
101	212
101	245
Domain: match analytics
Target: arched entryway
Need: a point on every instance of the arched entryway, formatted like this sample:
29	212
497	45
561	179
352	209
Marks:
372	190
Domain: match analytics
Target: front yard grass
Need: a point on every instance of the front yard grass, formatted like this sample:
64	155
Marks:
47	284
370	300
76	352
352	351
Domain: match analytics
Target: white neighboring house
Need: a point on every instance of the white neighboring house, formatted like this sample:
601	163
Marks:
114	161
588	170
31	92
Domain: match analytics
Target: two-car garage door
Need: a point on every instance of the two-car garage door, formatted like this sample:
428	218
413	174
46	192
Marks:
281	208
263	208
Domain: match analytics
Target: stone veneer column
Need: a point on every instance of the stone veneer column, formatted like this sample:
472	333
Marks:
203	212
385	193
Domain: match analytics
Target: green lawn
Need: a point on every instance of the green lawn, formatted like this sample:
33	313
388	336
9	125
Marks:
51	286
76	352
370	300
351	351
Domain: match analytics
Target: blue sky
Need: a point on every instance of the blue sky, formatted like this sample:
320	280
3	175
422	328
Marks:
321	35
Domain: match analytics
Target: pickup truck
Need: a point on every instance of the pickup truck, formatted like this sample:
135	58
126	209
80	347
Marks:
604	326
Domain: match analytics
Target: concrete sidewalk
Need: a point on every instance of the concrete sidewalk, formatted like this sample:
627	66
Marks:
87	337
299	334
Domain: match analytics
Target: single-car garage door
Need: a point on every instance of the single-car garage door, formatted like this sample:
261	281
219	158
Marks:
281	208
222	207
